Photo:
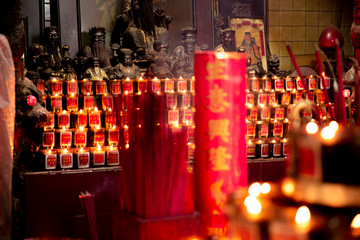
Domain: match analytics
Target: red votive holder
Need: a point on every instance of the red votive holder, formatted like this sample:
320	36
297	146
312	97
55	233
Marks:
171	100
101	87
98	156
286	98
141	85
264	113
250	99
327	83
289	84
65	138
173	116
272	98
86	87
250	129
72	103
127	86
50	124
262	99
299	84
181	85
186	116
66	159
113	136
83	158
312	83
110	118
99	137
113	156
71	87
56	86
89	102
56	102
154	85
168	85
115	86
63	119
40	84
185	100
250	149
48	139
107	101
95	118
279	84
50	159
80	119
80	137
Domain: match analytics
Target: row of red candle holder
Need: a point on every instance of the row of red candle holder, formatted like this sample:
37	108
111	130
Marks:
267	148
284	98
53	159
286	84
117	86
266	129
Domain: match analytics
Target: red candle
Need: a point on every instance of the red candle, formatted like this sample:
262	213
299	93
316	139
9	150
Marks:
98	156
298	71
100	87
80	137
72	87
115	87
66	159
50	160
113	158
48	139
341	99
83	159
321	72
65	138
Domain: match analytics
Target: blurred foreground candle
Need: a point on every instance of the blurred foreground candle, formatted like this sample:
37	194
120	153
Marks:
220	152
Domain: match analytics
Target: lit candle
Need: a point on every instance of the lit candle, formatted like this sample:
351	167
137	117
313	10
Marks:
56	86
56	102
48	139
169	85
66	159
98	156
302	219
141	85
80	137
50	160
81	120
181	85
127	86
65	138
107	102
83	158
173	116
64	119
113	158
89	102
95	118
100	87
86	87
72	103
72	87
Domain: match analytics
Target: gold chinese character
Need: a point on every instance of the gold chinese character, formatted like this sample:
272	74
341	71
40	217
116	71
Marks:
217	102
219	128
219	159
216	70
217	194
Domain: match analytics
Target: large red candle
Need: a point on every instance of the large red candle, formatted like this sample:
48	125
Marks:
343	116
220	165
321	71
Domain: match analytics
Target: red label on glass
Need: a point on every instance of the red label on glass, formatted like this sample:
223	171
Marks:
48	139
107	102
298	96
186	100
72	87
253	114
279	84
250	149
113	158
56	87
128	86
262	98
83	159
181	86
271	98
173	116
50	123
87	88
299	84
276	149
66	160
169	86
56	102
268	85
99	137
286	148
278	130
116	87
142	86
188	116
82	119
327	83
50	161
289	84
110	119
80	138
265	114
320	97
99	158
312	83
155	86
279	113
65	139
171	100
192	86
114	136
264	150
72	103
250	98
286	98
88	102
94	119
100	87
264	131
64	120
251	129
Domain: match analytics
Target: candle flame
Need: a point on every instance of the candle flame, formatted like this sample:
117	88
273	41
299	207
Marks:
65	150
56	94
105	94
126	126
355	223
126	92
140	78
54	79
81	128
111	147
249	199
63	128
49	151
334	125
72	95
166	79
81	149
98	127
139	125
220	55
328	133
73	80
254	189
254	206
127	146
155	79
95	109
193	78
303	215
113	127
288	187
98	147
81	111
127	79
312	128
180	78
265	188
64	111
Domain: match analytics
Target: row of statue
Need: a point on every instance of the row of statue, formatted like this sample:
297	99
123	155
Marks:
139	46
